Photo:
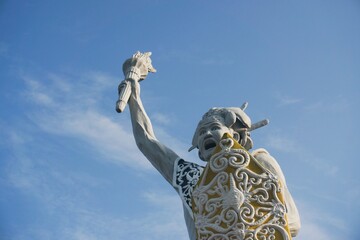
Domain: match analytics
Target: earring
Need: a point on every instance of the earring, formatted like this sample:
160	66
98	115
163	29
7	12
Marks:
236	136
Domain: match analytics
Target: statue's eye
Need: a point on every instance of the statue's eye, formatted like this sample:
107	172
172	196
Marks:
202	132
215	128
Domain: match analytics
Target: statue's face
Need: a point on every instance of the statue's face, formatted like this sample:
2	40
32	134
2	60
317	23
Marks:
209	135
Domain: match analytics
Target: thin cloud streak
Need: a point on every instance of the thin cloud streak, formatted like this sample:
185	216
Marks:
334	105
281	143
72	110
285	100
41	179
315	221
161	118
105	136
286	144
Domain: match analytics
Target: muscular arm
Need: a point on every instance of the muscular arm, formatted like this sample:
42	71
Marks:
160	156
292	213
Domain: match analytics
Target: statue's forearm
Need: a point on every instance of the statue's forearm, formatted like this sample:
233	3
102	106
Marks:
160	156
142	126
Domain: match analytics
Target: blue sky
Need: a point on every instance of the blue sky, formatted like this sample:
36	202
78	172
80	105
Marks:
69	165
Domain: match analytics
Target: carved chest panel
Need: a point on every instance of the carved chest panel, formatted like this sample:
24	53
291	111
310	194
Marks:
238	199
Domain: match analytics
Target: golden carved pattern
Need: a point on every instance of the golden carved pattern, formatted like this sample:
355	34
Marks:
237	199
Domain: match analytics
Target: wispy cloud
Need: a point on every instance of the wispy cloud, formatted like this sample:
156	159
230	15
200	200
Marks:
71	106
285	100
39	176
64	196
281	143
337	104
161	118
156	224
37	92
216	61
286	144
315	224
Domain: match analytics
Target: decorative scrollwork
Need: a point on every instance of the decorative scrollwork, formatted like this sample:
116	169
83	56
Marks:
237	158
185	178
234	201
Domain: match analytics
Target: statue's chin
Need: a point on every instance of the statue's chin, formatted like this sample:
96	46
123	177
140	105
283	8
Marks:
208	153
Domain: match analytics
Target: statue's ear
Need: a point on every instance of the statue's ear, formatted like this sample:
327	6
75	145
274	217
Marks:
236	136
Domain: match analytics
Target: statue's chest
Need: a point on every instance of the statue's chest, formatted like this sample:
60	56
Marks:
236	198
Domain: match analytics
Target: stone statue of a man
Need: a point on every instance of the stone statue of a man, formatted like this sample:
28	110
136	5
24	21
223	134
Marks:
184	176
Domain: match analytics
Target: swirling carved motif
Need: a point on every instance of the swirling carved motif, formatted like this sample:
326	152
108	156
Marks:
236	198
185	178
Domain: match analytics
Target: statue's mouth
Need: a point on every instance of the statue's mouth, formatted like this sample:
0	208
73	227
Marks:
209	144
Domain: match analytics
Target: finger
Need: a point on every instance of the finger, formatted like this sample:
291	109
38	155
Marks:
151	69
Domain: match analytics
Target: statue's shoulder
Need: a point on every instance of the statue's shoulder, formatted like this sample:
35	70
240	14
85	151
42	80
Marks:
262	155
260	152
267	161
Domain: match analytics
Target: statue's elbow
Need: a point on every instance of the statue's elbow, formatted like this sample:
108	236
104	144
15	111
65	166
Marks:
140	143
143	142
295	228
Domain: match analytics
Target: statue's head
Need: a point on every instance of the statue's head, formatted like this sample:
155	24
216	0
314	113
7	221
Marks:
215	123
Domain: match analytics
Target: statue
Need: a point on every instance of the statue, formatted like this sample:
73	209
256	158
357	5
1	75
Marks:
238	195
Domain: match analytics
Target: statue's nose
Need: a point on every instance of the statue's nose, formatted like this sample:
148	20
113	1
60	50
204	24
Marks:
208	132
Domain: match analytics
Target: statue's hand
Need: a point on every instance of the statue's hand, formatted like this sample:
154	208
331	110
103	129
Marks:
138	67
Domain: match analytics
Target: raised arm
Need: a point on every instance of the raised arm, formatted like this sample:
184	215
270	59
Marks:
160	156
